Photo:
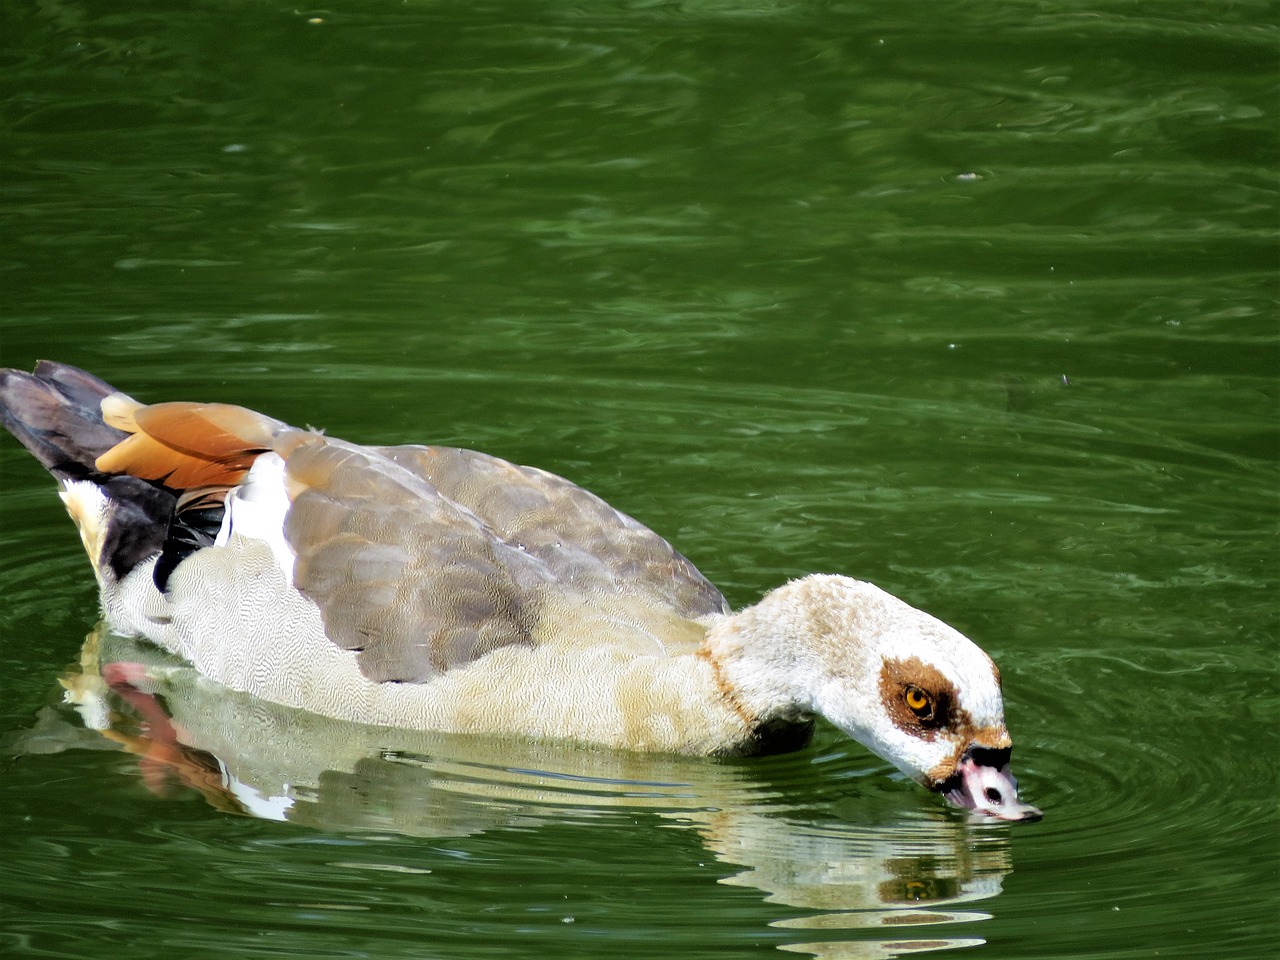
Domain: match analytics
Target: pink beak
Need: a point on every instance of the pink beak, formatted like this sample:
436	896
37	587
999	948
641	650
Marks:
982	783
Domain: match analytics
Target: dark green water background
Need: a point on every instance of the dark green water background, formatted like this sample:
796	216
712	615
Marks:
975	300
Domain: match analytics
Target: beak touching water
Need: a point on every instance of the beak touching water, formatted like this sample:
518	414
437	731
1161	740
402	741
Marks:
982	783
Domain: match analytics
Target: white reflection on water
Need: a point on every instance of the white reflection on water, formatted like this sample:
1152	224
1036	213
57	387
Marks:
251	757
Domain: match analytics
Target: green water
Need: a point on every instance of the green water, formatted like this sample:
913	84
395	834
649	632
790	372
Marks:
974	300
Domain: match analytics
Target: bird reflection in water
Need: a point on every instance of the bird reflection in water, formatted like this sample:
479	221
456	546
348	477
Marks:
869	887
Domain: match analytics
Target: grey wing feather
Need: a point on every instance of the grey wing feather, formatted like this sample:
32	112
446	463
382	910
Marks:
401	575
426	558
581	539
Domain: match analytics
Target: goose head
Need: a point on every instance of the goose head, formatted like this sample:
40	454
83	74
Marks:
900	682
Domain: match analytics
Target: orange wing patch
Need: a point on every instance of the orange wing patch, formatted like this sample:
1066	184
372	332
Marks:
188	445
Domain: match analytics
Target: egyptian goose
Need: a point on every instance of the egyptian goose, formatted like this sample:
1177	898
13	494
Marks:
442	589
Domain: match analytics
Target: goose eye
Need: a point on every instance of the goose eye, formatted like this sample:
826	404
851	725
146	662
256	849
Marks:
919	702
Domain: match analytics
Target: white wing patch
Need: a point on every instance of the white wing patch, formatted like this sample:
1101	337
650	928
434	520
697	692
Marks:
256	509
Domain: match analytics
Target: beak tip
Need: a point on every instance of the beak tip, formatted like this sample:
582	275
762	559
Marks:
990	791
1017	811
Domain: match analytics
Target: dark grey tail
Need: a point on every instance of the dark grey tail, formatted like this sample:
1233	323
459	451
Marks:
56	413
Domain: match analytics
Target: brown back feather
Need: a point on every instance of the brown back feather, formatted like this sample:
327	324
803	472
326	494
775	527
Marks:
192	445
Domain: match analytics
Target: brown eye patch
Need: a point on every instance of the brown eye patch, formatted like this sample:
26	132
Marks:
917	697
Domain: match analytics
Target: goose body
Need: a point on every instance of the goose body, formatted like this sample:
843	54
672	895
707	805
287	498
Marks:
443	589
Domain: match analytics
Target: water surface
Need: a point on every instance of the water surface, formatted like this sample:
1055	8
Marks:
977	303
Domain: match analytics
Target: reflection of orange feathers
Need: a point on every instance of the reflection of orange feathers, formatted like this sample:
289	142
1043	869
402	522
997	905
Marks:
186	445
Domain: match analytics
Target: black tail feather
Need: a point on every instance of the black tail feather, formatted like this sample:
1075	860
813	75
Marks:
189	530
141	516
